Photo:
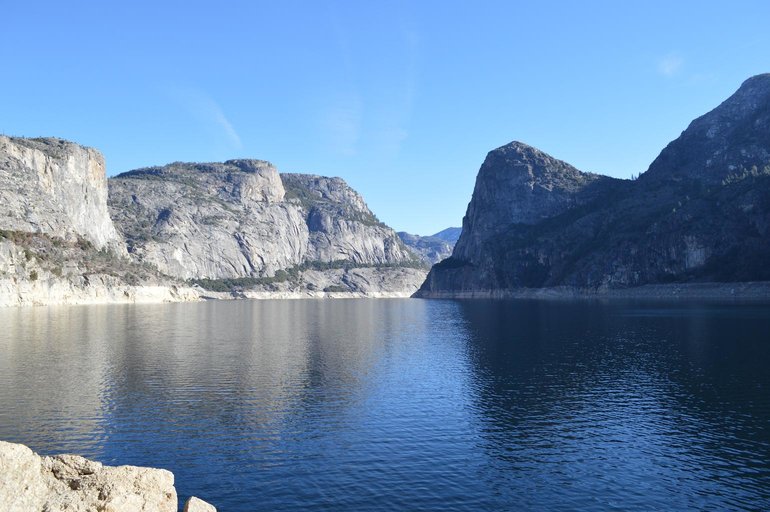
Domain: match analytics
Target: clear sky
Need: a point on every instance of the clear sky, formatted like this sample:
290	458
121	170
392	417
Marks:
402	99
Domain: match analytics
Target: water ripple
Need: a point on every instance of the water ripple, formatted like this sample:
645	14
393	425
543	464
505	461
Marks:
406	404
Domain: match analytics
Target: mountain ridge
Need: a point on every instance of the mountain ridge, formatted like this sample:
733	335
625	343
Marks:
700	213
185	231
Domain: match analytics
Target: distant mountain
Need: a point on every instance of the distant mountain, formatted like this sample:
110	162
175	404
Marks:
449	235
430	249
701	213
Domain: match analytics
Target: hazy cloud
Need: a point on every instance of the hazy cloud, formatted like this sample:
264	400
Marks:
670	64
203	107
397	130
375	116
341	124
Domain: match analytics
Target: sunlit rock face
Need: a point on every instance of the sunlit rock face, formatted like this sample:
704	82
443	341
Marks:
700	213
340	224
55	187
237	219
72	483
58	244
242	218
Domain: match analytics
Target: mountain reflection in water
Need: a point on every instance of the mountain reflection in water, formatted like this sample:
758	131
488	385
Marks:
405	404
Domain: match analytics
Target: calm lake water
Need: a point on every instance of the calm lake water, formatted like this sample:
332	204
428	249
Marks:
405	404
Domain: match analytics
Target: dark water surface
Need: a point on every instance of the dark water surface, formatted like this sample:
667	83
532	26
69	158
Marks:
405	404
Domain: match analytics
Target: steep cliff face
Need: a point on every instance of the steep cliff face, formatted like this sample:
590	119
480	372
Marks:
58	244
208	220
519	184
241	219
340	224
700	213
55	187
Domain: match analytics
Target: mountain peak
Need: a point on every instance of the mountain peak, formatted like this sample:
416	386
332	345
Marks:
517	145
761	80
731	139
533	168
519	184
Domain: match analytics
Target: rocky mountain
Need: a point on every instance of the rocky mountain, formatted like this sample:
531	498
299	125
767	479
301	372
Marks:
240	224
57	241
183	231
701	213
450	235
434	248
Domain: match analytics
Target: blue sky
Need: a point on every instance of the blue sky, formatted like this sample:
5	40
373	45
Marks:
402	99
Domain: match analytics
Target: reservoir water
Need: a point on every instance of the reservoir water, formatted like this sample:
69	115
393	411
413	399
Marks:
374	405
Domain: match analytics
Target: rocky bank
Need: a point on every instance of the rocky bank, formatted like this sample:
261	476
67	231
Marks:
700	214
69	483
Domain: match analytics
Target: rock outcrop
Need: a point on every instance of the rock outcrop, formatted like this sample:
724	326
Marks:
195	221
350	282
340	225
55	187
731	140
519	184
58	244
197	505
701	213
69	483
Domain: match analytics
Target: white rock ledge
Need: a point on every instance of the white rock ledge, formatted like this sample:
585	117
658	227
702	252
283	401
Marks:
103	290
29	482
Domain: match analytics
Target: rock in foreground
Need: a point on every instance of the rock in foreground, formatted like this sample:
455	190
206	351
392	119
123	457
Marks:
71	483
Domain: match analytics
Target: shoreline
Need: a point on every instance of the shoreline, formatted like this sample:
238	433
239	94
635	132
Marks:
171	295
744	291
153	294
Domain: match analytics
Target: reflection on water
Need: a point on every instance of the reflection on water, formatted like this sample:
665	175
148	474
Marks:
405	404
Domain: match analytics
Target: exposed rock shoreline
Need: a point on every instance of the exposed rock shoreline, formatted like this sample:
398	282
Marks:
749	291
362	283
29	482
101	290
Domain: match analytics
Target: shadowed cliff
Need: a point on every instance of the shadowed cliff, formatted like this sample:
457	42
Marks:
701	213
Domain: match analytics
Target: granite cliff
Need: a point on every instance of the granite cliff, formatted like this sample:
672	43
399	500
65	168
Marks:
57	188
241	226
184	231
701	213
58	244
